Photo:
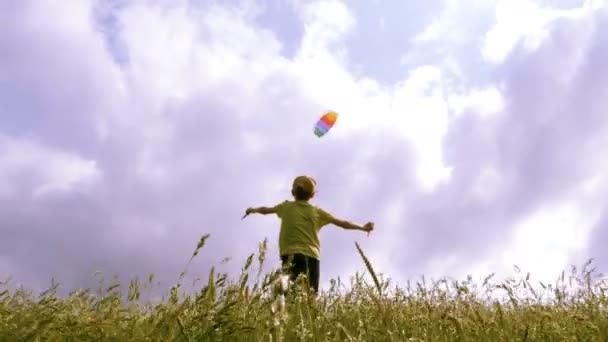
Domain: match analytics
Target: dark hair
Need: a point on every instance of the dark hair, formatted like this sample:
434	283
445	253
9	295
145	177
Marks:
300	194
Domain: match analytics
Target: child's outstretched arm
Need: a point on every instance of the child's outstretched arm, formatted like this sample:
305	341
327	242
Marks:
265	210
368	227
261	210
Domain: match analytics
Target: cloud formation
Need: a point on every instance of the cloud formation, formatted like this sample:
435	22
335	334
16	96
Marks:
129	129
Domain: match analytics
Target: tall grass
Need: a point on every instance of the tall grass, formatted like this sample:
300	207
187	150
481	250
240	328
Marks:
573	309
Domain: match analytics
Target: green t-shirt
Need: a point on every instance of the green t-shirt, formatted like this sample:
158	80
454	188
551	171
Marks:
300	225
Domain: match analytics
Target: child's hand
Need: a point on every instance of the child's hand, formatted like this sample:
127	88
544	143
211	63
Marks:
368	227
247	212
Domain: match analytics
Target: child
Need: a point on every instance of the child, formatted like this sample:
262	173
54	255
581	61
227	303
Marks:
299	244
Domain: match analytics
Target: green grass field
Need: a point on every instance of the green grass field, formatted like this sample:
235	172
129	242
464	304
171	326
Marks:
573	309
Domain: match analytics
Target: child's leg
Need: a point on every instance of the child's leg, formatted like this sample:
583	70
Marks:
314	273
295	265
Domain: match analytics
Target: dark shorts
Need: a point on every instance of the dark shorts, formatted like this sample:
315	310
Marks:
302	264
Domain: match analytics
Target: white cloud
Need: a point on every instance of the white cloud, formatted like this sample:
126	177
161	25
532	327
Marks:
556	233
528	22
53	171
546	240
421	115
325	22
436	29
483	102
452	23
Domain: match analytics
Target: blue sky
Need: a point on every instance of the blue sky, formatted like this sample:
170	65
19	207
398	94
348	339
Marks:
470	132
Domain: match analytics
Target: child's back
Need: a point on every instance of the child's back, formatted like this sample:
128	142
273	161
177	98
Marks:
299	243
300	225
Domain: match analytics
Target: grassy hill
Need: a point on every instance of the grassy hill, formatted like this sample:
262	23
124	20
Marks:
575	308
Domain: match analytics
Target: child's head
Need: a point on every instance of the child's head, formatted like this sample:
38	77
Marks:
303	188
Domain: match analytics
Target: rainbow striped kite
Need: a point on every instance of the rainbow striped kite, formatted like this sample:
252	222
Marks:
326	122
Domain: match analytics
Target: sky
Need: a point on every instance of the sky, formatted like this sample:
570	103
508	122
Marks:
472	133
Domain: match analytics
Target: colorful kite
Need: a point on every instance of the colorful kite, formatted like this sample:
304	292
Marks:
326	122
